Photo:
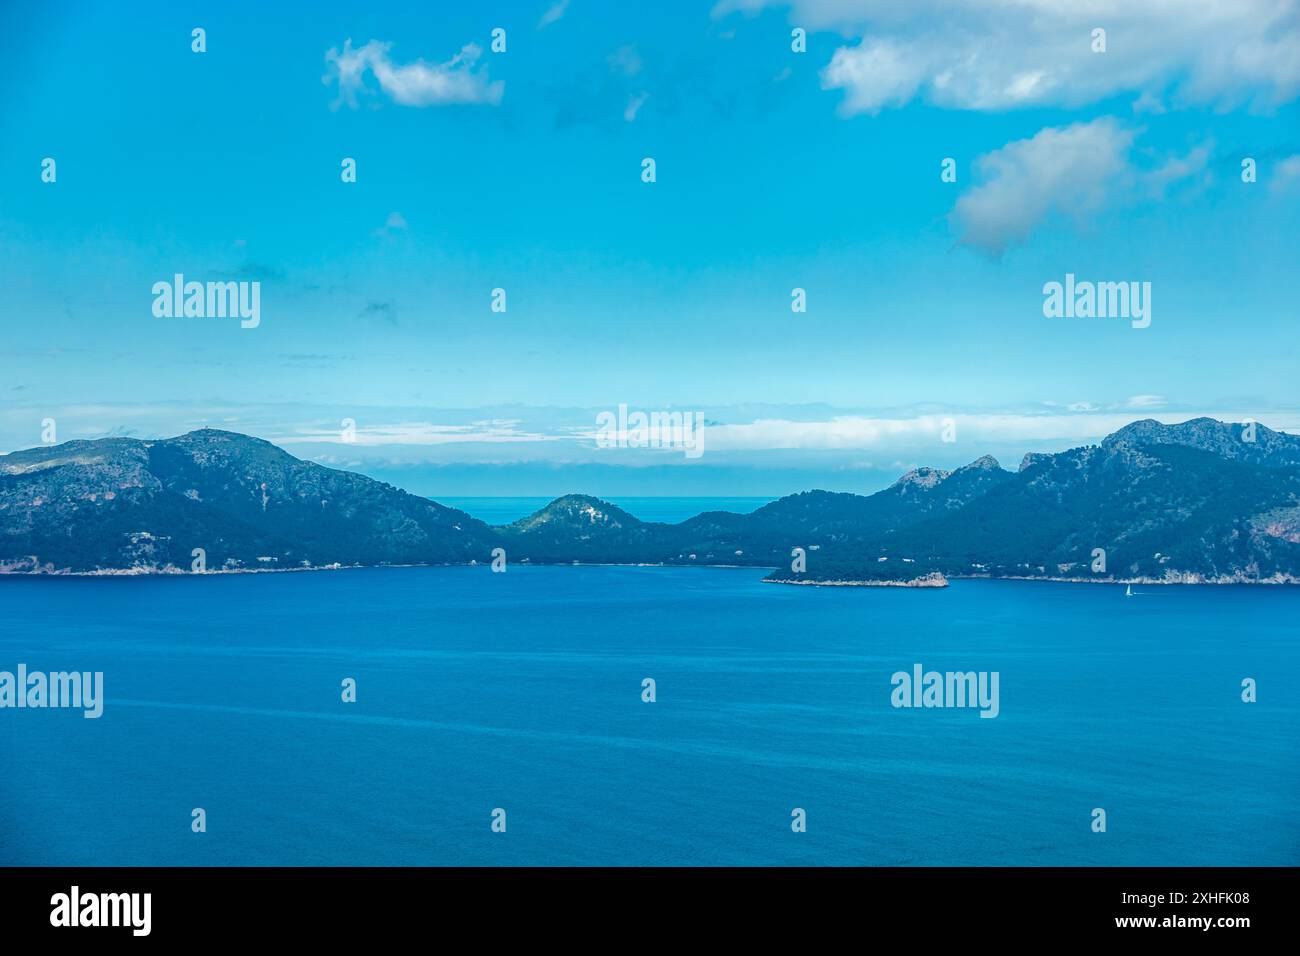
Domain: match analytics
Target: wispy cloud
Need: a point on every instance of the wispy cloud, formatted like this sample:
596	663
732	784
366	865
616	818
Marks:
1286	175
634	106
1178	169
417	434
625	61
758	437
417	83
978	430
395	223
553	13
1149	102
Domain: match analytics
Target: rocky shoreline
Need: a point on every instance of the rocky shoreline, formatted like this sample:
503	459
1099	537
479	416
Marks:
1170	577
932	580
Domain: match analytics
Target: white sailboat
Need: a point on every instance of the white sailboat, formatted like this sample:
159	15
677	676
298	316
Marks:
1128	592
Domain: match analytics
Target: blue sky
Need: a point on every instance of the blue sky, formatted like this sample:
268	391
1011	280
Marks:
522	170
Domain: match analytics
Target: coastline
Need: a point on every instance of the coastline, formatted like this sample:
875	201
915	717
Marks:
1170	577
934	580
926	581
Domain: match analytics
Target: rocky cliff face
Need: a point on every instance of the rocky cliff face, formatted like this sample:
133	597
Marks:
1250	444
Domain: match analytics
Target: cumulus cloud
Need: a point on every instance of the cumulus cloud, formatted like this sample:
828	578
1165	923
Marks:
874	75
412	84
1070	172
1060	170
1004	54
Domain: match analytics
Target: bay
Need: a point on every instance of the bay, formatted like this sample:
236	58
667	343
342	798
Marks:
522	691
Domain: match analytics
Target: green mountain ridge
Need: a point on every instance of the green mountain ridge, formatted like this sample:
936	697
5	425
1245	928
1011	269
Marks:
1193	501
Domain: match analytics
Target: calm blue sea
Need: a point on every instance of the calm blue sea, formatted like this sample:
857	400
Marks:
669	510
523	691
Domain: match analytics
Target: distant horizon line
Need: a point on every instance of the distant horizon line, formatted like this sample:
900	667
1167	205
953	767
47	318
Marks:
926	472
281	441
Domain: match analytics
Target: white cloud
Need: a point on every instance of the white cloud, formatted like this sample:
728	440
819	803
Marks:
412	84
417	433
749	7
553	13
1148	102
1060	170
1146	401
1287	174
1003	54
634	105
395	222
1073	171
1178	168
625	61
975	430
874	75
833	437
